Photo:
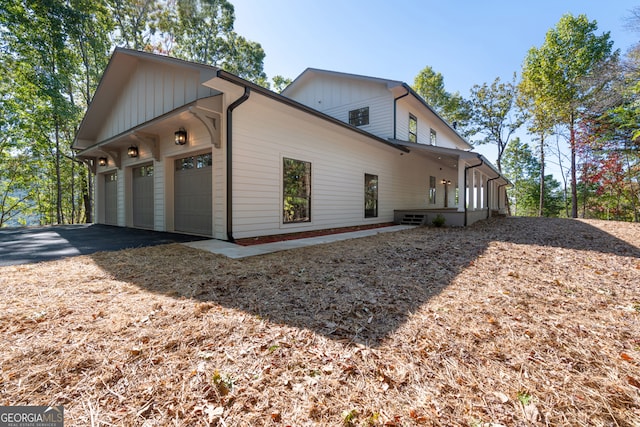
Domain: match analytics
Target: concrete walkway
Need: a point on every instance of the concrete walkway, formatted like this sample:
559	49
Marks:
234	251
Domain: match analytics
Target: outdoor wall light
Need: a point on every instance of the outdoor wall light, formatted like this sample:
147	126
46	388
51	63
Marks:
181	136
132	151
102	161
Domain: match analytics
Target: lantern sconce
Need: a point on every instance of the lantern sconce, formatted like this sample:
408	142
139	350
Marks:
102	161
181	136
132	151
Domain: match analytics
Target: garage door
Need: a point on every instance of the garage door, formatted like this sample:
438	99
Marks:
192	198
143	196
111	198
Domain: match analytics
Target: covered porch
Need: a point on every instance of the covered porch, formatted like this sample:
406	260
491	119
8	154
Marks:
463	189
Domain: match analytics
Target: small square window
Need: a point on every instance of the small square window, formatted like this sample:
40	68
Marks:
359	117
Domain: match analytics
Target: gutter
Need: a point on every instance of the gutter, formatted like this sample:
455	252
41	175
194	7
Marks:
395	115
225	75
466	168
230	109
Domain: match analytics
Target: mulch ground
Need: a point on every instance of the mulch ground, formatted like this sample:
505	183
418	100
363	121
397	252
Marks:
510	322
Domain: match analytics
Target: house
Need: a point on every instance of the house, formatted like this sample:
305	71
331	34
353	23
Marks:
189	148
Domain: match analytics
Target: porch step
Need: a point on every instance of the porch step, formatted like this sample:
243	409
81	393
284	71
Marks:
413	219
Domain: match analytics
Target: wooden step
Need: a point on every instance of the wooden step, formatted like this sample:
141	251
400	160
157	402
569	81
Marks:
413	219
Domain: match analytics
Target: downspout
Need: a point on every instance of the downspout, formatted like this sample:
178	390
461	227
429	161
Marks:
489	195
466	168
395	118
230	109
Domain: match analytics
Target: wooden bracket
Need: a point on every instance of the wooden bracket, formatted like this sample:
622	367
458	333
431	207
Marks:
151	141
211	120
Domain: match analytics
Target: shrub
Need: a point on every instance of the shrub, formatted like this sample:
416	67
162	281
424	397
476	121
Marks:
438	221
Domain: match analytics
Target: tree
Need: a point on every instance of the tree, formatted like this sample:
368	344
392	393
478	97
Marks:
450	106
522	168
135	22
571	51
43	67
280	83
495	114
202	31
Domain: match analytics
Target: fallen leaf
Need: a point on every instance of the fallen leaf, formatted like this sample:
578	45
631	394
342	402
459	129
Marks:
626	357
503	398
531	412
634	382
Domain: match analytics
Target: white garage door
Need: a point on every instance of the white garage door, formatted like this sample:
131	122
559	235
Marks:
111	198
143	197
192	198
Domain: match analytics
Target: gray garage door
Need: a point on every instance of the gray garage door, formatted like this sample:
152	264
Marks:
143	197
111	198
192	198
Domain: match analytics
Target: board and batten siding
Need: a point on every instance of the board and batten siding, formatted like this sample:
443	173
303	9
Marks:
152	91
336	96
265	132
444	136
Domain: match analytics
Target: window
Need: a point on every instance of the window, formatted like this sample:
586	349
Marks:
145	170
432	137
370	196
359	117
296	191
432	190
191	162
413	128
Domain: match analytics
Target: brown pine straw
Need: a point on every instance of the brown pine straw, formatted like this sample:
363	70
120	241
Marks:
510	322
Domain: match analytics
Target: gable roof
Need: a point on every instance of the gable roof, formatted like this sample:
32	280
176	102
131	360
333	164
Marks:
390	84
309	74
121	65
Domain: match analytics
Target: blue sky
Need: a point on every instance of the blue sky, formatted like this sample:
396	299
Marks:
468	41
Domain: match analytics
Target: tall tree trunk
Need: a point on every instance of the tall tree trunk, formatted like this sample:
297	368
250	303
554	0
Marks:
542	160
574	182
58	179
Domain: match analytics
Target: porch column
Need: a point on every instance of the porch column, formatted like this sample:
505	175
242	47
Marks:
481	192
462	191
473	191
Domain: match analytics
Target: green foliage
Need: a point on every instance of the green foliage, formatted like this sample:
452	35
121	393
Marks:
48	77
450	106
495	114
202	31
438	221
524	398
280	83
555	82
523	170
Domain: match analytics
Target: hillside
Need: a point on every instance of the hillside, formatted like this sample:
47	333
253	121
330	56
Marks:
514	322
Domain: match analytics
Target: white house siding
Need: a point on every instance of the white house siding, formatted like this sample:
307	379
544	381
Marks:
336	96
265	132
151	91
444	136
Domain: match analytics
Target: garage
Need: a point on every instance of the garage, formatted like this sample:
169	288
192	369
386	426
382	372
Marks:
192	195
111	198
143	207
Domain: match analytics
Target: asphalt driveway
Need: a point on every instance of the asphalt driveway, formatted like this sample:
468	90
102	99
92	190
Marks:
28	245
